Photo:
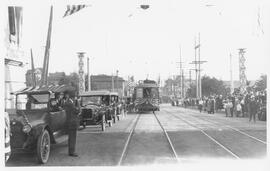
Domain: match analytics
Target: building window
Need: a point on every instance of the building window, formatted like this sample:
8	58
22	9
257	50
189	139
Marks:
11	18
15	22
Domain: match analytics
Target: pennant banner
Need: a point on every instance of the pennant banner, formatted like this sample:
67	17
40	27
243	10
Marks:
73	8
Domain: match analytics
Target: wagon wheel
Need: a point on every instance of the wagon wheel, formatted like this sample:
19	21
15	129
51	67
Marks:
43	147
103	123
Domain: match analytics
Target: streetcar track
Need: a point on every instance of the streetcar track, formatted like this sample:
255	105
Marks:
168	138
210	137
124	152
228	126
128	140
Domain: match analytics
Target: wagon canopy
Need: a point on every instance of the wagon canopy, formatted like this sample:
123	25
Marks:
46	89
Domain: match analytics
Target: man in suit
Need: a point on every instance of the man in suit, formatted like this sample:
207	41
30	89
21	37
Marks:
253	108
72	123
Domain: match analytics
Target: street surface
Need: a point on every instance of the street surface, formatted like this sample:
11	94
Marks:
173	135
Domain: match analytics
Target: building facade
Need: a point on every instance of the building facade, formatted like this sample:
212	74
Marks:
106	82
15	60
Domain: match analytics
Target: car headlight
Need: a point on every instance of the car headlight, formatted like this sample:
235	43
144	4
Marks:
26	128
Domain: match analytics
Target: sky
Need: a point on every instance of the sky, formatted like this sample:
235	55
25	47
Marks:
118	35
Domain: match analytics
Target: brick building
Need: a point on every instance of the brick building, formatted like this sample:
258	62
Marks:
106	82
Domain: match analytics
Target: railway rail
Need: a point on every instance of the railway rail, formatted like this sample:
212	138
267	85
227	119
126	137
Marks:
233	128
230	127
203	132
131	133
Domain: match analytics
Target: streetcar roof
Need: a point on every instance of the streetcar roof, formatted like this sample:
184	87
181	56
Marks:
98	93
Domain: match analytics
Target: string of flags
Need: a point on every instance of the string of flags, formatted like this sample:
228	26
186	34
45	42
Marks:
71	9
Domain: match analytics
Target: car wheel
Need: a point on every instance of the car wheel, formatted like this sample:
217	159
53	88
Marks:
43	147
103	123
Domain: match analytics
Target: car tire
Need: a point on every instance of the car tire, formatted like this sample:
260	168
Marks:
103	123
43	147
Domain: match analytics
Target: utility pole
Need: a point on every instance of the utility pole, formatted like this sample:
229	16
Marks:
112	83
190	78
181	91
117	86
183	84
88	75
198	70
231	79
199	76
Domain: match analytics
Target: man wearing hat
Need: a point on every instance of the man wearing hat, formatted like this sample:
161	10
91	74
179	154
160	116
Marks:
253	108
72	123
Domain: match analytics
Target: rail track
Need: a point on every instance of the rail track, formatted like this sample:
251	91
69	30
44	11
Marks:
203	132
131	133
230	127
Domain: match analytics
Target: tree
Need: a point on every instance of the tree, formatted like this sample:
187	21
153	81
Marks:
261	84
211	86
191	92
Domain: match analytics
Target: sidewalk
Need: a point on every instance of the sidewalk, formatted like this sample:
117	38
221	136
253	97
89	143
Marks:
220	112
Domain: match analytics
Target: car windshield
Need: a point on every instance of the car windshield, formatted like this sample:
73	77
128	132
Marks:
91	100
32	101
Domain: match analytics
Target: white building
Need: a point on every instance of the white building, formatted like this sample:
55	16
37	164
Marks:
15	60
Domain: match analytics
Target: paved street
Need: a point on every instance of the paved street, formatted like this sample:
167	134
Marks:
173	135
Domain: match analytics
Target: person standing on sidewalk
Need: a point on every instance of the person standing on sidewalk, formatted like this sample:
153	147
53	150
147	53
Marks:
238	109
72	123
200	105
229	108
253	109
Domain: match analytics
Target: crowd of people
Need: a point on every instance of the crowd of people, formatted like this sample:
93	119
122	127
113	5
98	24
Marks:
249	104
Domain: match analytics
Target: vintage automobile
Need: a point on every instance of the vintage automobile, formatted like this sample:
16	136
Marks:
98	108
38	120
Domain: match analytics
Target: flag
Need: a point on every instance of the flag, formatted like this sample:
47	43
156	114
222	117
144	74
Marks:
131	83
33	70
73	8
44	76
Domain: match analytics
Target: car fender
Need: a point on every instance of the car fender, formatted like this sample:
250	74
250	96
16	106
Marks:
38	129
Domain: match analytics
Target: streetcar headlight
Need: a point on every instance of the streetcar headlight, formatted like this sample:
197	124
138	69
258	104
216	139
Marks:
26	128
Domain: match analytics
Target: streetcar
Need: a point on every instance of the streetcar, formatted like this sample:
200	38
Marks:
146	96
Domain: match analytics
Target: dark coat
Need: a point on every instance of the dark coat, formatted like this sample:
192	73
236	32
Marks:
72	112
253	107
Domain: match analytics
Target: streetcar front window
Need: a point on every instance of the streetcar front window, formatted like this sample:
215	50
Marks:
150	92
